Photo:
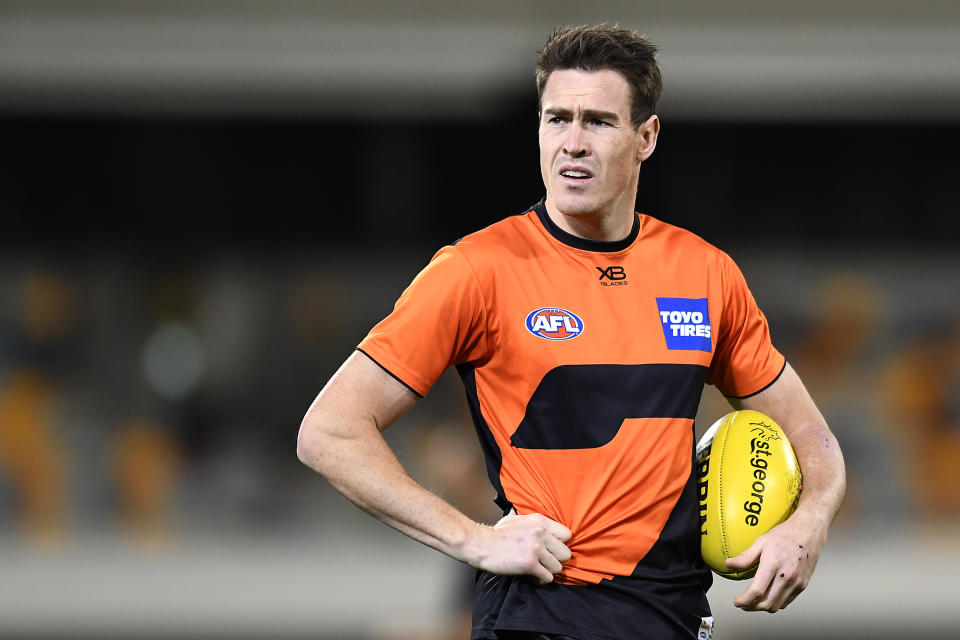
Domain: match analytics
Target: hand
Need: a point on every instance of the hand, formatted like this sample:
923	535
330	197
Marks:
788	554
523	545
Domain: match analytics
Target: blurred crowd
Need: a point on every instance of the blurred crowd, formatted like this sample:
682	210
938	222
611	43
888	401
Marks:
157	403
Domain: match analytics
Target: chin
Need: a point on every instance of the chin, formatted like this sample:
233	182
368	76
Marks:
576	206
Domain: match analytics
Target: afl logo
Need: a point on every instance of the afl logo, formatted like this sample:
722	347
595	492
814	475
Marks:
554	324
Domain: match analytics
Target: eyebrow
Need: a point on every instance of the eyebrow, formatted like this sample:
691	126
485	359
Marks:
588	114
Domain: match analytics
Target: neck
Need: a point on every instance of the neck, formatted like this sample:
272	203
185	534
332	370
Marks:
604	226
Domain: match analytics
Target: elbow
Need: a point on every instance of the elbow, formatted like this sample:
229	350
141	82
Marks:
320	442
309	449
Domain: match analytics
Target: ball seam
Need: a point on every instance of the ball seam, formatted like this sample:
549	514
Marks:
720	495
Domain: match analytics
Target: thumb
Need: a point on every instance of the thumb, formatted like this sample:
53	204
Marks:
747	558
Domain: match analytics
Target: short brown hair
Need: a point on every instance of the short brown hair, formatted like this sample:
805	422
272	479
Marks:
597	48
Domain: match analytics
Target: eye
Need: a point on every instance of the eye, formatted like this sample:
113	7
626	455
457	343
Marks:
597	122
556	120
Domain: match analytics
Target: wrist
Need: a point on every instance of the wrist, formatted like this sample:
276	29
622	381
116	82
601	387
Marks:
467	546
813	520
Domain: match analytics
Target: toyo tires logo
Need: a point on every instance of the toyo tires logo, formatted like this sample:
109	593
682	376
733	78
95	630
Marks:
686	323
552	323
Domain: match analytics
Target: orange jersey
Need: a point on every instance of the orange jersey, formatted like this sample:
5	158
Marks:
584	363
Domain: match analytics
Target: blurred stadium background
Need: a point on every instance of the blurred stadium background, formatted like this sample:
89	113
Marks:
205	205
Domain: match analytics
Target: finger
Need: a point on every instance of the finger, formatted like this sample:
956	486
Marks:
557	549
790	598
544	566
789	588
555	529
542	575
777	592
747	558
548	561
758	587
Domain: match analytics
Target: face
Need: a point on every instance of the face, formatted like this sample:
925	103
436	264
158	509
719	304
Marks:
590	152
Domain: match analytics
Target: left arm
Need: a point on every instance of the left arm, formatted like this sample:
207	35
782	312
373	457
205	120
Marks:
788	553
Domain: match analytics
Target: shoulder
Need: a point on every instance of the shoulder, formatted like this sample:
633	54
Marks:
515	236
680	243
478	256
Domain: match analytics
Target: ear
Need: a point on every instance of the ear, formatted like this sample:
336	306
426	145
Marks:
647	141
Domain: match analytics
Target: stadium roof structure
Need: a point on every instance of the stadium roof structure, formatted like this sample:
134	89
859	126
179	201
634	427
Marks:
736	59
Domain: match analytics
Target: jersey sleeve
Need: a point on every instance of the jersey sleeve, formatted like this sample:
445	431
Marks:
440	320
745	361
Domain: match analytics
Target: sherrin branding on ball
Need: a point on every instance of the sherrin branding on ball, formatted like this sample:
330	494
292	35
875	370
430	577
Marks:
749	482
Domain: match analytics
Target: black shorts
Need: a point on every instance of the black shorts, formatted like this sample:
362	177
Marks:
530	635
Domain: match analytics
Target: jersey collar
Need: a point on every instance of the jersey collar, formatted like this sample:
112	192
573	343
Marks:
585	243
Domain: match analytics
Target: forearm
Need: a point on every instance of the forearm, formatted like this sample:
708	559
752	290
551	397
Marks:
359	464
819	455
824	474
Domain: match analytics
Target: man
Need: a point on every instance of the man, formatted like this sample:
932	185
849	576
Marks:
581	387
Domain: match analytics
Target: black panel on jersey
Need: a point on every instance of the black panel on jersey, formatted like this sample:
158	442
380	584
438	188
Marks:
491	451
674	568
583	406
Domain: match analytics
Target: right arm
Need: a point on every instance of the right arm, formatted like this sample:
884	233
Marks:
340	438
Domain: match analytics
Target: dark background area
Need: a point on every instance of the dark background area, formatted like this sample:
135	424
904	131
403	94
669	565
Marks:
192	185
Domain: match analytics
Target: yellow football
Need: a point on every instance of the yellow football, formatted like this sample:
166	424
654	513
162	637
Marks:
749	482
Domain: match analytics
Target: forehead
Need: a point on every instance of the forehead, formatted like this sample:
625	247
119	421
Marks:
605	90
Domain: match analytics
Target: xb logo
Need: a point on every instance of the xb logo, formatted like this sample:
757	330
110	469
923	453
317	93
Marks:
612	273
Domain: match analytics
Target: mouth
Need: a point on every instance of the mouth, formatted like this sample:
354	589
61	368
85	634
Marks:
575	175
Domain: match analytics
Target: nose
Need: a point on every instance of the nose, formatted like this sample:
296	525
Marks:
575	145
